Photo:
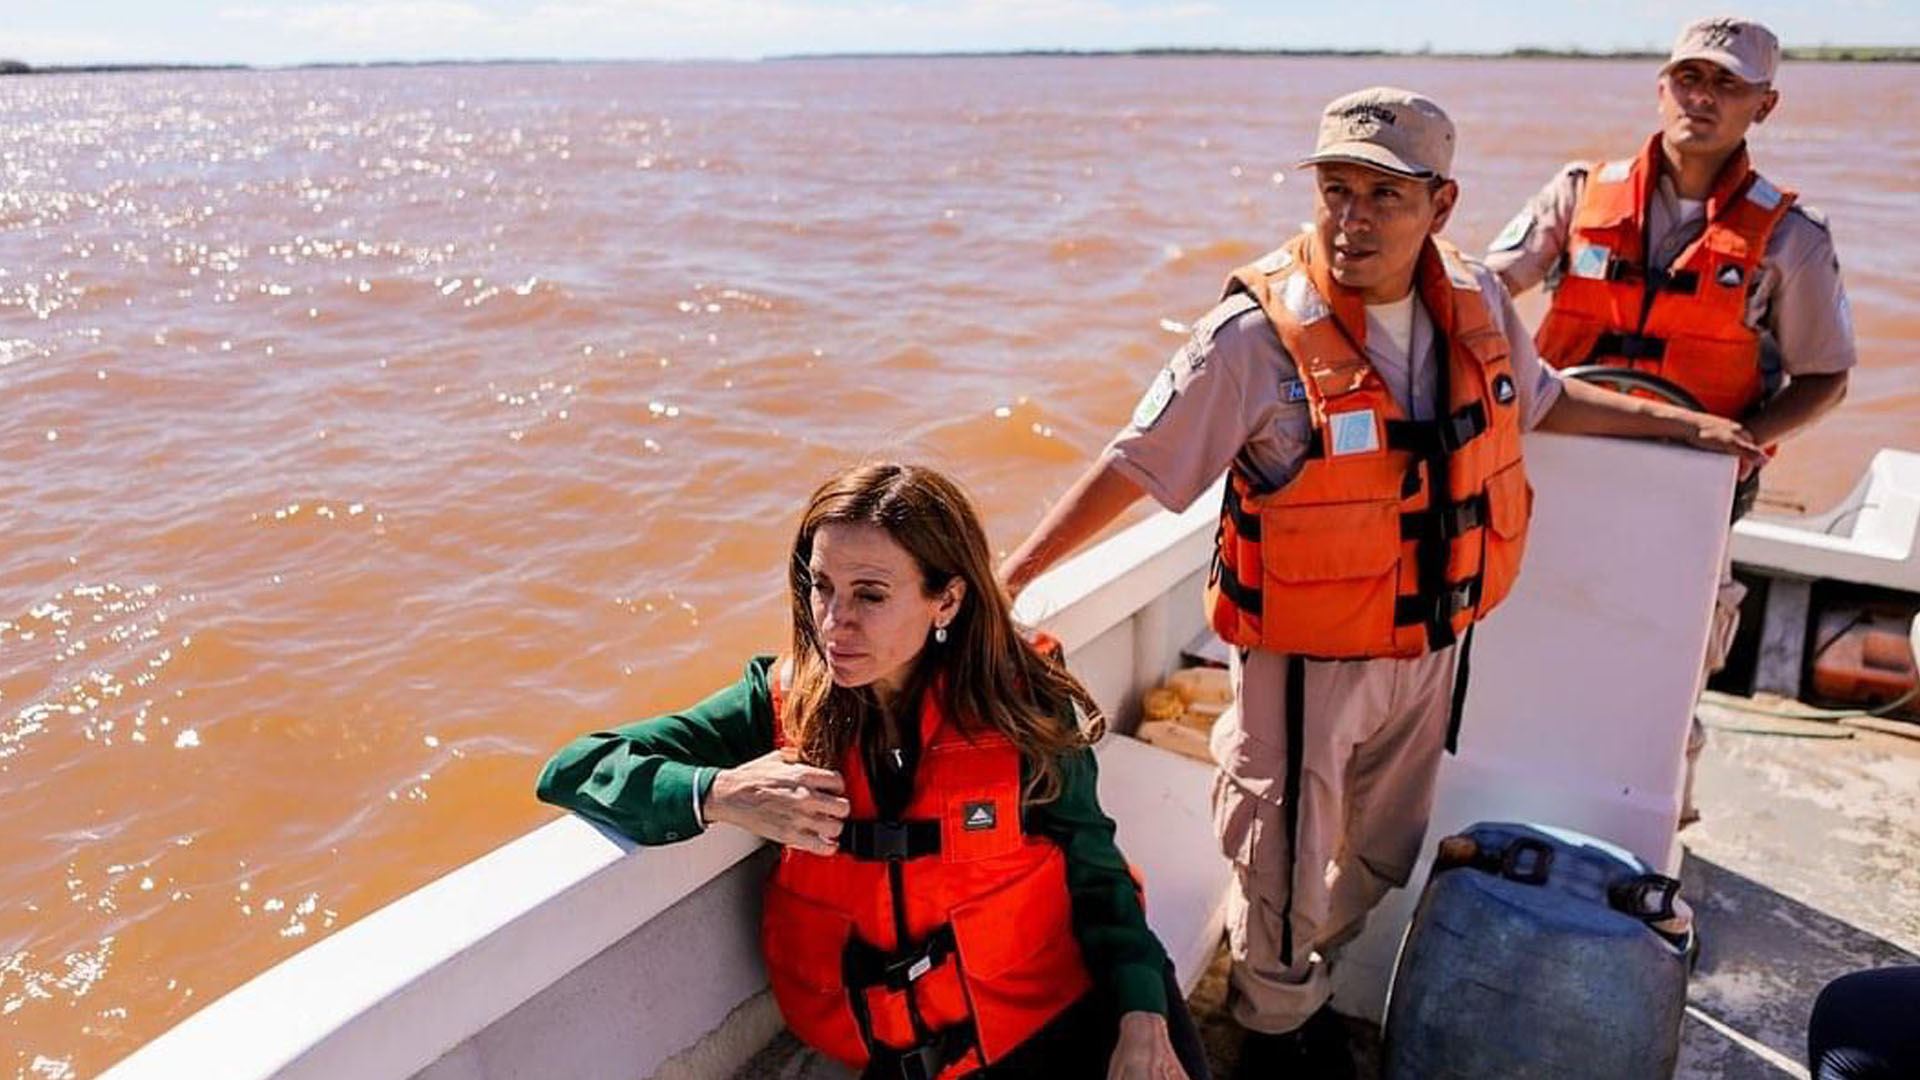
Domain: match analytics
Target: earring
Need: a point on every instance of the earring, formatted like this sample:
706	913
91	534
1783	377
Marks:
940	635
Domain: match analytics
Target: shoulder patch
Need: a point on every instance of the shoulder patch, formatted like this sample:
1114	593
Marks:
1613	172
1515	234
1813	214
1763	194
1153	404
1274	261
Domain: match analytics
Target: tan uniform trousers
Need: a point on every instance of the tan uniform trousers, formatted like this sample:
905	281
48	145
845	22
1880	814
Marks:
1375	734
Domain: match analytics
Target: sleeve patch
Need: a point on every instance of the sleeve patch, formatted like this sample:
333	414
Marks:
1153	404
1515	234
1614	172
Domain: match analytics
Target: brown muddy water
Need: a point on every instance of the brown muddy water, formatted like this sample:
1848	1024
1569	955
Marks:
365	434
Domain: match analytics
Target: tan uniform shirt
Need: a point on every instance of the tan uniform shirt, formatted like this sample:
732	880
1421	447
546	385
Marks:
1797	296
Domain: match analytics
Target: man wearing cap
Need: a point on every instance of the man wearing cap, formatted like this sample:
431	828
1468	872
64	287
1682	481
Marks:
1375	508
1686	263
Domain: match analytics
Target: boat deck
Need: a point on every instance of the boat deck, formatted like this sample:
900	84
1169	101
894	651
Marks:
1802	869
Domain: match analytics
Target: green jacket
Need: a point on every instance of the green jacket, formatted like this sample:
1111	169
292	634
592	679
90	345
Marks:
641	779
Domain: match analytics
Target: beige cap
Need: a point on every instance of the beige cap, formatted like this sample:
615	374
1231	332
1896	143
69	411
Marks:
1742	46
1387	128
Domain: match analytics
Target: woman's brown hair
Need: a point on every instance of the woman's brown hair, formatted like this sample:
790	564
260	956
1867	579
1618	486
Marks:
987	674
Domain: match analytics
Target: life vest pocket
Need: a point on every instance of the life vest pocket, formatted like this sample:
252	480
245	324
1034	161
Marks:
1330	577
1019	956
1509	507
804	942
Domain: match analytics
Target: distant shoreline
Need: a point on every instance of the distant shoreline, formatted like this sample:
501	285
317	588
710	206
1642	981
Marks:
1857	54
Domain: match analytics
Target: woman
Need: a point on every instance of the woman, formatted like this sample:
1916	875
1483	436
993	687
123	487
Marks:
949	901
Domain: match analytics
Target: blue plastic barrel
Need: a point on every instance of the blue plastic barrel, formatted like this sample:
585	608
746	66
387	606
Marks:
1521	963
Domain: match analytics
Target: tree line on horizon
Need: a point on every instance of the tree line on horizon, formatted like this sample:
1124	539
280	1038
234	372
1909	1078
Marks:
1841	53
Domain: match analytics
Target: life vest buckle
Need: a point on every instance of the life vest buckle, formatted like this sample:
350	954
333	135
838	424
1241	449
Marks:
1438	609
867	966
1461	427
1674	281
1449	522
890	841
931	1058
1461	597
1630	347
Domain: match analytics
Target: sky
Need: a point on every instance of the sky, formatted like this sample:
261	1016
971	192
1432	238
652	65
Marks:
273	32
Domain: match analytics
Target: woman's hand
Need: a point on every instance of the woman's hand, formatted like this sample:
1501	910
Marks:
777	797
1144	1051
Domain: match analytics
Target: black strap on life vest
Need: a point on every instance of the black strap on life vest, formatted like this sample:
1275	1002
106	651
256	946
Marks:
1440	608
1448	521
865	965
1424	438
1655	278
924	1061
883	841
1290	794
1458	709
1245	522
1629	347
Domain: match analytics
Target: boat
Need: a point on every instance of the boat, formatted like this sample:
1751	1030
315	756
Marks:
569	953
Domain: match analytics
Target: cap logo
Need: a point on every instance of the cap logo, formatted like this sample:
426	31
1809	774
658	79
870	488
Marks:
1720	33
979	816
1365	121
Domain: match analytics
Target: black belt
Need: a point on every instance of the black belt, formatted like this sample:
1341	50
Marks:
865	966
1630	346
878	841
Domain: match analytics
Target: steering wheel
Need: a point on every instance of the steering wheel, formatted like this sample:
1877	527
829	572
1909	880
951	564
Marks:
1629	381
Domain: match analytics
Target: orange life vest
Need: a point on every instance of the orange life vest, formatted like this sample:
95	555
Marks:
940	941
1356	556
1685	323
